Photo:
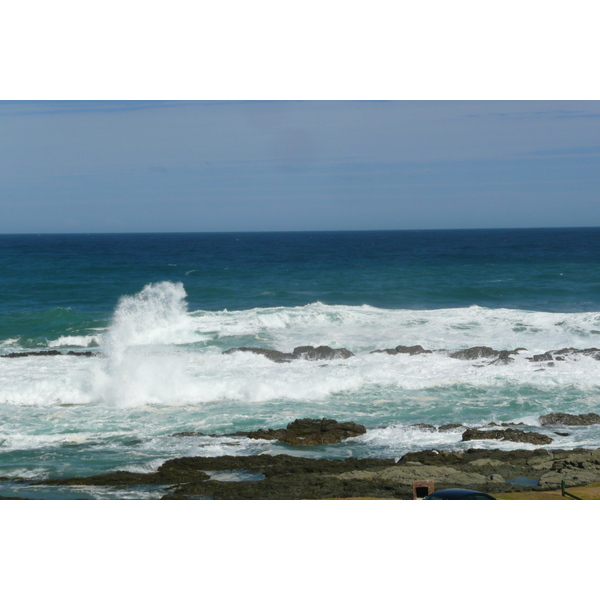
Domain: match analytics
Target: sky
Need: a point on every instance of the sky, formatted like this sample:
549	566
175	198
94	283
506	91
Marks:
142	166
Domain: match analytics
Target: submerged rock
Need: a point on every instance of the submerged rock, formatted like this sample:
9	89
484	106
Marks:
311	432
568	419
507	435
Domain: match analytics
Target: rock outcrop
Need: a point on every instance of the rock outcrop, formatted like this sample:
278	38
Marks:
507	435
404	350
477	352
46	353
293	477
301	352
311	432
568	419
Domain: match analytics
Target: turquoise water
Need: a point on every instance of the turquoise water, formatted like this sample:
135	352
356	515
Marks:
158	310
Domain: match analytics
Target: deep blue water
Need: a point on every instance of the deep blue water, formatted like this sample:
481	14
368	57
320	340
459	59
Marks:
531	269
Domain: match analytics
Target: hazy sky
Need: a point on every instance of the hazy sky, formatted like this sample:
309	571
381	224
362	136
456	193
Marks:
276	166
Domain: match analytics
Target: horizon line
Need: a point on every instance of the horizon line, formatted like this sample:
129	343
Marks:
304	230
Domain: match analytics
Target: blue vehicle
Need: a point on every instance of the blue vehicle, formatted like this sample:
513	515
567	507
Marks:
458	494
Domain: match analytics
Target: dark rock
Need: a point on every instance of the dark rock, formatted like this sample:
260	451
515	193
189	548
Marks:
451	426
273	355
412	350
116	478
311	432
424	426
540	357
568	419
47	353
303	352
593	352
292	477
505	357
40	353
482	352
507	435
564	351
562	433
321	353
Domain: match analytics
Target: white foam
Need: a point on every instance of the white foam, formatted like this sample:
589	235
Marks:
363	328
144	363
9	343
26	441
147	467
77	341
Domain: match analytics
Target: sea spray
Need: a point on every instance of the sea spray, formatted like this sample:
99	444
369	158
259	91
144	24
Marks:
156	315
143	363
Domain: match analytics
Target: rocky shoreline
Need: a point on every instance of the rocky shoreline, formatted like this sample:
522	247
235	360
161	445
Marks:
283	476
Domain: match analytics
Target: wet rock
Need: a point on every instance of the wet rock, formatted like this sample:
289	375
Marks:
46	353
540	357
568	419
424	426
311	432
412	350
301	352
504	357
321	353
273	355
507	435
293	477
451	427
593	352
117	478
482	352
40	353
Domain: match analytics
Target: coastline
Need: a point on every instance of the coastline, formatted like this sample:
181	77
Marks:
510	474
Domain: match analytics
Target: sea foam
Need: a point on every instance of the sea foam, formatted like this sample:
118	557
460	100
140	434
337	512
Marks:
156	352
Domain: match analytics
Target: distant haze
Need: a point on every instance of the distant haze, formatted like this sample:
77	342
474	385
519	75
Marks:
283	166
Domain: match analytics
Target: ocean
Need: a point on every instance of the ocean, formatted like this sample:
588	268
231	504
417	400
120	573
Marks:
158	311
